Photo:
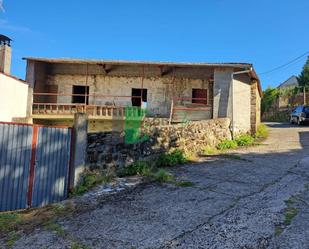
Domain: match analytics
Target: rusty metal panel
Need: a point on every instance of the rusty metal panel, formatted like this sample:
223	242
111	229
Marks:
51	166
15	154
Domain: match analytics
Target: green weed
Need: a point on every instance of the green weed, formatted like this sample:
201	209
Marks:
141	168
227	144
52	226
207	150
163	176
289	214
90	180
12	238
244	140
184	183
262	132
171	159
9	220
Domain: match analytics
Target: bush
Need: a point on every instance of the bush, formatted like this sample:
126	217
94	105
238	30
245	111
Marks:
163	176
244	140
262	131
171	159
227	144
137	168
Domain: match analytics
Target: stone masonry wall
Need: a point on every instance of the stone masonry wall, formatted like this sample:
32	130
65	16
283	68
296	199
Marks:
108	151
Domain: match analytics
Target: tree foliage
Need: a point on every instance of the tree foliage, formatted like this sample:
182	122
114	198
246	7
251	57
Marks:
270	95
303	78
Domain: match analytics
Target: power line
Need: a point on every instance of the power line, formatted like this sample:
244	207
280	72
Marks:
286	64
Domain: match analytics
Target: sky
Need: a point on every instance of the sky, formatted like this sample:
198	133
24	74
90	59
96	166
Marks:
265	33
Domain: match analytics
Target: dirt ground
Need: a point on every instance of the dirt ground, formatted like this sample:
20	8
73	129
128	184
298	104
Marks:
257	199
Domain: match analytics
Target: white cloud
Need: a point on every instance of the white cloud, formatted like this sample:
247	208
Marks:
1	6
4	24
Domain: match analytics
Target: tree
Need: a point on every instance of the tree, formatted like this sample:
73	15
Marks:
270	96
303	78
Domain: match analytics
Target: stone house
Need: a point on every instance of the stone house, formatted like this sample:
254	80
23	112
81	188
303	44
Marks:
176	91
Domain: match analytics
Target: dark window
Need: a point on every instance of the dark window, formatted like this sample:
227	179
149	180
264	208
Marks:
137	93
199	96
82	97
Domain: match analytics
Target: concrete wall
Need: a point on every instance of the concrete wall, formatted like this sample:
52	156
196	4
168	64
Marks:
222	101
13	99
242	103
159	90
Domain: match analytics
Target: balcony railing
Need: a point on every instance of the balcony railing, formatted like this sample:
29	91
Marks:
48	104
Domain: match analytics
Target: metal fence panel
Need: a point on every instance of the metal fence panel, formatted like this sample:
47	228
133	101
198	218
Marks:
15	155
51	166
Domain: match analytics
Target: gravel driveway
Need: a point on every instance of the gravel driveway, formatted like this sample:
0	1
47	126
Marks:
239	202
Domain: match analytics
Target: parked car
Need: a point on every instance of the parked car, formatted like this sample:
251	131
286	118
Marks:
300	115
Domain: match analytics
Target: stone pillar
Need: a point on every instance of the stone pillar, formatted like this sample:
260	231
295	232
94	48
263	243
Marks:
79	148
255	107
5	59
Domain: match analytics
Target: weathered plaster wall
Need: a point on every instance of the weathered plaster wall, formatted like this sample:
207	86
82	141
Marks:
13	100
159	90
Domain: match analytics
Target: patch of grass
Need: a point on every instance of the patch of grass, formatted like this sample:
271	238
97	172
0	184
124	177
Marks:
207	150
244	140
90	180
289	202
141	168
76	245
9	220
163	176
289	214
184	183
262	132
52	226
12	238
278	230
173	158
227	144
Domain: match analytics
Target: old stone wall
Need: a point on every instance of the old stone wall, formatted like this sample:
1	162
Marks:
107	150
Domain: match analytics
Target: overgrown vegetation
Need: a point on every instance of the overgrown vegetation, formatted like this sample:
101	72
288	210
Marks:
262	132
90	180
244	140
207	150
141	168
163	176
270	95
171	159
8	221
227	144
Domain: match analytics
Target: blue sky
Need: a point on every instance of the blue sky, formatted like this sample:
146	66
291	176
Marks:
265	33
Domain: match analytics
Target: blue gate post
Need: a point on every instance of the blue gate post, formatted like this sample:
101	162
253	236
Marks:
79	148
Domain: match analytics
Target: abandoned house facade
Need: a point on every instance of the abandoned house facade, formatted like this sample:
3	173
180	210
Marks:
176	91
